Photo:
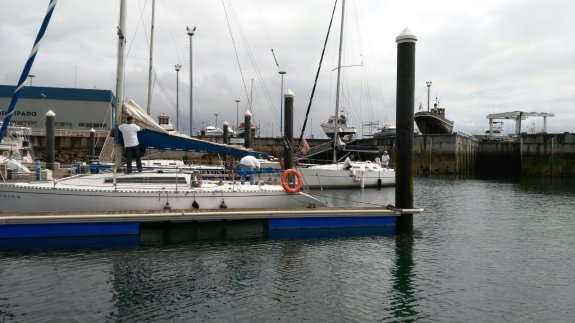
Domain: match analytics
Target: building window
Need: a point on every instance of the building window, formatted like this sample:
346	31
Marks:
63	124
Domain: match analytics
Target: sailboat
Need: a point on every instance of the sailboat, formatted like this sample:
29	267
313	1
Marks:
361	174
143	191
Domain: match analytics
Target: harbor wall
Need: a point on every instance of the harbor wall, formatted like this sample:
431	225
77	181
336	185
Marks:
548	155
445	154
458	153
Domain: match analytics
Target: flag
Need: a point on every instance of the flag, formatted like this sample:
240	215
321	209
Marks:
420	106
304	146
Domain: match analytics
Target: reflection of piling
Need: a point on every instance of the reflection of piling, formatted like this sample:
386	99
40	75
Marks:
248	130
50	140
288	129
226	132
92	153
404	127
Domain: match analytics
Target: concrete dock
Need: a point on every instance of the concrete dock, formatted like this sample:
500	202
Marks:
43	224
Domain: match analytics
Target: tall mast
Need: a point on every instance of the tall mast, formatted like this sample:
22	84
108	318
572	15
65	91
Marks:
336	119
26	70
120	78
150	69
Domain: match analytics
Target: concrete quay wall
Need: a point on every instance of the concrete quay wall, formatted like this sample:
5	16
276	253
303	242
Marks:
458	153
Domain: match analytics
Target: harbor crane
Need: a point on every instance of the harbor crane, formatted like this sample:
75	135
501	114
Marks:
518	116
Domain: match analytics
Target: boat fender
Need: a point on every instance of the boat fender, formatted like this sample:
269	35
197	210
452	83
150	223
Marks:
223	205
195	204
167	206
379	182
285	184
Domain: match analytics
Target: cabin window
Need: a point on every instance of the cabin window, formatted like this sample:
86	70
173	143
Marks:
148	180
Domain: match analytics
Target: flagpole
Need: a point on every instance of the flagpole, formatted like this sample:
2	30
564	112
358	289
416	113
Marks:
26	70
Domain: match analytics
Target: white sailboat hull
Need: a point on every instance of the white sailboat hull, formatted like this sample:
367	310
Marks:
90	193
362	174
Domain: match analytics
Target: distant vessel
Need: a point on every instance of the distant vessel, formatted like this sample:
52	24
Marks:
344	131
386	131
242	128
212	131
433	122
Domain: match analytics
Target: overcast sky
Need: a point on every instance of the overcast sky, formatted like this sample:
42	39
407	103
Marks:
482	57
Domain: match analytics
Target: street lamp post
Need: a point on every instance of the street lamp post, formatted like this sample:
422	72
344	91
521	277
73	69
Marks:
178	66
282	73
191	32
428	87
31	76
237	114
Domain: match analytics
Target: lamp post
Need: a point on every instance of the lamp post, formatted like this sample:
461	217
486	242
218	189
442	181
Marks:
31	76
282	73
237	114
428	87
191	32
178	66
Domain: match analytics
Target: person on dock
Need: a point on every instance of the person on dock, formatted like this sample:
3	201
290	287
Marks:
251	164
347	162
385	160
131	144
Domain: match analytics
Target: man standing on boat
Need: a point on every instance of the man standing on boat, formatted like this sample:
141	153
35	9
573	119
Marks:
385	160
131	144
249	163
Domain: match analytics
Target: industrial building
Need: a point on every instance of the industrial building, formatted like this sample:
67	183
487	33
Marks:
75	109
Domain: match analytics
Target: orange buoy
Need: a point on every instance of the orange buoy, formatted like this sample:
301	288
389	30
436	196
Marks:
285	184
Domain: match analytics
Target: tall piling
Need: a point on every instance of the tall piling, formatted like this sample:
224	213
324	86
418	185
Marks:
248	129
404	127
50	140
226	132
92	154
288	129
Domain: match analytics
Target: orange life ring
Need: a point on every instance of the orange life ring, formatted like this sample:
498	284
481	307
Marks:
285	184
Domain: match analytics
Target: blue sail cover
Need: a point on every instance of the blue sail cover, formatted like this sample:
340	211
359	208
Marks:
163	141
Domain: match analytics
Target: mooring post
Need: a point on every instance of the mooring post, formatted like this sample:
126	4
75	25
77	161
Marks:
248	129
92	154
226	132
50	140
288	129
404	127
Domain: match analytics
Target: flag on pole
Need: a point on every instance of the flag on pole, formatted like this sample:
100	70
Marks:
304	146
420	106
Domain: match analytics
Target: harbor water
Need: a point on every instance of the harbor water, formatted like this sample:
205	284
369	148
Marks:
483	251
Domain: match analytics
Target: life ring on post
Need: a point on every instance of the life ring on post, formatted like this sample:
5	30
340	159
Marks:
285	184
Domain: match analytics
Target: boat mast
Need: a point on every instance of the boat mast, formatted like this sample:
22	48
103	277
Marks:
150	69
120	80
336	119
26	70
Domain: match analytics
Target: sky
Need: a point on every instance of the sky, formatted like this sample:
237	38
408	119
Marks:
482	57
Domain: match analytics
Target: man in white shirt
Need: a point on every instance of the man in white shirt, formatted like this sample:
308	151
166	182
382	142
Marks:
249	163
347	162
385	160
131	144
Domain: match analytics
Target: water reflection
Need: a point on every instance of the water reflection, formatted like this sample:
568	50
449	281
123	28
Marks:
403	303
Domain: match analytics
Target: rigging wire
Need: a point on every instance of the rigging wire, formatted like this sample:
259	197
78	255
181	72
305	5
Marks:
317	73
253	62
236	52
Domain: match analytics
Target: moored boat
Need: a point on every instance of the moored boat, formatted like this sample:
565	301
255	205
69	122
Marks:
433	122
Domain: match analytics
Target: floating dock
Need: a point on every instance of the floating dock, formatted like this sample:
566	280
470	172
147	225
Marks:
66	224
